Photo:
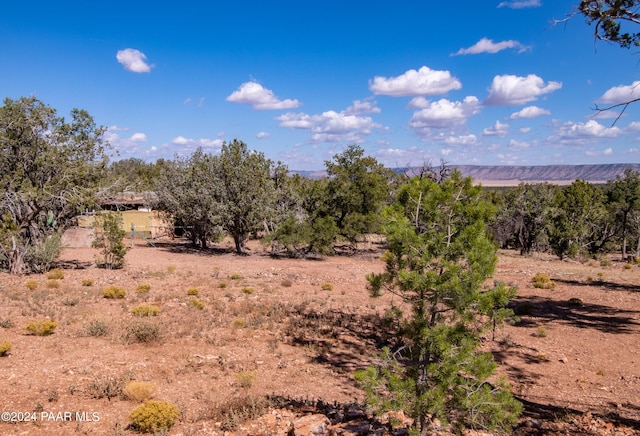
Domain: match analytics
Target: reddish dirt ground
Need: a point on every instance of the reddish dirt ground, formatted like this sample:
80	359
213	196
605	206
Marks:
296	330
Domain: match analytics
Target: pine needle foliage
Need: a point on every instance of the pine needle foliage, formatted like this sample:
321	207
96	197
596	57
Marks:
438	260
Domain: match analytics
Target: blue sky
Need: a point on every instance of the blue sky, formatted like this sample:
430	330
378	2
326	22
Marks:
469	82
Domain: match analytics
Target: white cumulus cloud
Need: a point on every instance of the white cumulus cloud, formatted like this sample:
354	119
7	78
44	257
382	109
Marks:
443	113
583	133
330	126
189	143
510	90
262	135
260	98
486	45
529	112
133	60
621	94
498	129
424	81
366	106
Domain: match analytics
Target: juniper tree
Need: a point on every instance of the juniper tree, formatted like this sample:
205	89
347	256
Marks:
438	260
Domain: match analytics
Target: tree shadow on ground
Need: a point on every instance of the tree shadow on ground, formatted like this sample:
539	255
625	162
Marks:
344	340
182	247
72	264
576	313
554	413
612	286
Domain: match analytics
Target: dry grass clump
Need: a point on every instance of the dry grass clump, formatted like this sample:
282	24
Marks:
143	289
286	283
236	411
55	274
235	276
53	284
5	347
327	287
41	328
193	291
542	281
114	292
196	303
145	310
247	290
87	282
139	390
31	284
154	417
245	379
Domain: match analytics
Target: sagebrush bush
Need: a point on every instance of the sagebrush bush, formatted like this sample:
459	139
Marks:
114	292
97	328
542	281
5	347
139	390
41	328
55	274
32	285
143	289
143	332
145	310
154	416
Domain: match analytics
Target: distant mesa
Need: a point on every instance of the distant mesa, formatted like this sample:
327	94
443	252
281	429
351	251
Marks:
507	175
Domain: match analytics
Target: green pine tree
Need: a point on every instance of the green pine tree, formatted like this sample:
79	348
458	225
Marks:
438	260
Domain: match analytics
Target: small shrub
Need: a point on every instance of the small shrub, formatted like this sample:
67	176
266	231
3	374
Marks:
55	274
327	287
222	285
41	328
542	281
145	310
106	387
541	332
114	292
143	289
171	268
32	285
154	416
87	282
627	266
139	390
142	332
70	301
239	323
247	290
245	379
236	411
97	328
235	276
575	302
6	323
53	284
5	347
196	303
193	291
605	263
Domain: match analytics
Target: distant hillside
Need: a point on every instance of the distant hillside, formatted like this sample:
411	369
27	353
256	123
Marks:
494	175
504	175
